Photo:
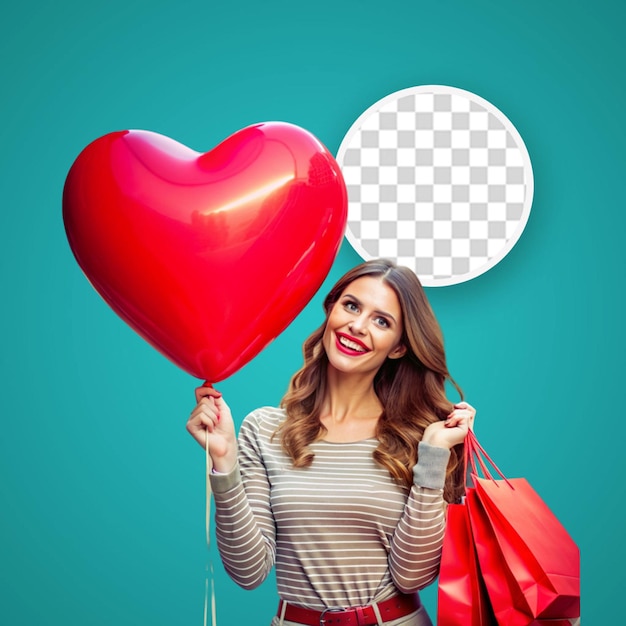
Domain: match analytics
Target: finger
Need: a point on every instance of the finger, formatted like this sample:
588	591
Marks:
452	420
221	406
198	432
204	410
208	406
469	412
460	421
206	392
202	423
209	421
207	403
195	424
205	406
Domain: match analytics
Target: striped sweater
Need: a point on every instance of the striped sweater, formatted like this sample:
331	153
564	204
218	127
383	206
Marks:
341	532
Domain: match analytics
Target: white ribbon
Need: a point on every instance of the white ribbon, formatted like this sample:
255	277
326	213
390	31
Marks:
210	577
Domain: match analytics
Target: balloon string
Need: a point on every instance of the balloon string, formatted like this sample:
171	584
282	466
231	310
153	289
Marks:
210	575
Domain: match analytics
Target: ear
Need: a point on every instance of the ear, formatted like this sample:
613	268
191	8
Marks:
398	351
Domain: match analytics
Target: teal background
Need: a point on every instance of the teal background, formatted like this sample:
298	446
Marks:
101	488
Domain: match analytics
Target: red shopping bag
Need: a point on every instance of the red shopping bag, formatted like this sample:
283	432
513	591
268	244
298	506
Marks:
461	598
530	564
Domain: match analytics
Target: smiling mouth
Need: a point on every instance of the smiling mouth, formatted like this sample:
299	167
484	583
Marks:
351	345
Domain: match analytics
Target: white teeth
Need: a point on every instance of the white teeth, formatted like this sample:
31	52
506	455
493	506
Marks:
351	344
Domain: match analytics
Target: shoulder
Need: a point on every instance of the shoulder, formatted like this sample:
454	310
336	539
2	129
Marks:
263	422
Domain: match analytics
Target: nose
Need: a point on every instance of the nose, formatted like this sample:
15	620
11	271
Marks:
357	325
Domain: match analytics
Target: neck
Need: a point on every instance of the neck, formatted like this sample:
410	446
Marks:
350	397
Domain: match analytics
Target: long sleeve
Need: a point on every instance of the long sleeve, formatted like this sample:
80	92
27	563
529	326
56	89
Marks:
416	546
245	529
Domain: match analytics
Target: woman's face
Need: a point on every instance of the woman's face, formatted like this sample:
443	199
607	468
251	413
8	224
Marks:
364	327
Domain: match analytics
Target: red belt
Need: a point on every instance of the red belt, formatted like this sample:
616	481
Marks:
391	609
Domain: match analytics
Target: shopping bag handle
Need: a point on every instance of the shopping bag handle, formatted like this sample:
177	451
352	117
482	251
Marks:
474	452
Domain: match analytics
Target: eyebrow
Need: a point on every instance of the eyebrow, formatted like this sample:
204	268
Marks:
383	313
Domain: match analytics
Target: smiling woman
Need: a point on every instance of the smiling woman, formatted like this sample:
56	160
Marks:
344	487
366	325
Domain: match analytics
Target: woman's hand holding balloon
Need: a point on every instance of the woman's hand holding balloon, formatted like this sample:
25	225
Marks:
212	418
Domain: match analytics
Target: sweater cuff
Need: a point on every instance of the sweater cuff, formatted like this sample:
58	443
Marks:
432	462
220	483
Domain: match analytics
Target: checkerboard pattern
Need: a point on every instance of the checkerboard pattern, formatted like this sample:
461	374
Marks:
438	180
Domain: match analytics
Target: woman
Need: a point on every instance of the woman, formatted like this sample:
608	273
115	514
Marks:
344	487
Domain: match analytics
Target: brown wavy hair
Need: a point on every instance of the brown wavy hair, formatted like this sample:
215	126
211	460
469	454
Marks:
411	388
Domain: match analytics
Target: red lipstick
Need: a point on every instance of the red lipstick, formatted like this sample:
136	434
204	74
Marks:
346	349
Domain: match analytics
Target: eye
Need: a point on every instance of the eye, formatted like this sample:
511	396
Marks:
351	306
383	322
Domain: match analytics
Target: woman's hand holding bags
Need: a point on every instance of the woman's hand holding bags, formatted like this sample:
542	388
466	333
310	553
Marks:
529	564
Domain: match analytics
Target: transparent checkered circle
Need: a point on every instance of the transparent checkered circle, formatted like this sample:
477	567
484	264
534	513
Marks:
438	180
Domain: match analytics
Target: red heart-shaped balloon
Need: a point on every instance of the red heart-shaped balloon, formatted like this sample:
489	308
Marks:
207	256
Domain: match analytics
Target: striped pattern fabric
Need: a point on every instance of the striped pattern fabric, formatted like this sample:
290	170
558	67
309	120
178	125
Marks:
341	532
